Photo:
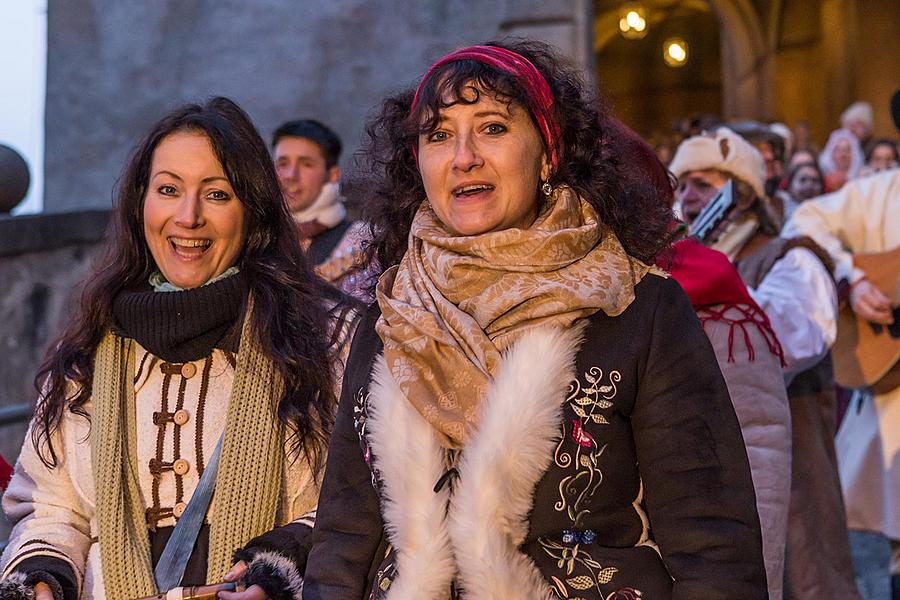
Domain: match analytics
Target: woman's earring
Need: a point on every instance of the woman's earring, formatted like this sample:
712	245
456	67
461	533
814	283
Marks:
546	188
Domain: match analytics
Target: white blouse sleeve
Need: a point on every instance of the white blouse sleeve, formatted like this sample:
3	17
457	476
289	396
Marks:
799	297
50	516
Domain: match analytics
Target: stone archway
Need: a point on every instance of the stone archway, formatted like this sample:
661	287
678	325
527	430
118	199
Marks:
746	63
747	69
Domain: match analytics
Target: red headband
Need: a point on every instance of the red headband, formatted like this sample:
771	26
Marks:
537	92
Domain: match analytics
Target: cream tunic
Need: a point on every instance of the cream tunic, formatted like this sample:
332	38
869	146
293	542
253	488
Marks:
54	509
862	217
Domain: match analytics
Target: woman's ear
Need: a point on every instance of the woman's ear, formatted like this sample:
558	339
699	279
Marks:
546	169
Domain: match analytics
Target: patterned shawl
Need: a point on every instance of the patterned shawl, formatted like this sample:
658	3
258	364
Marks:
455	302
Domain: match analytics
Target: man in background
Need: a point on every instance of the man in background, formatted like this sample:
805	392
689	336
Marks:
306	155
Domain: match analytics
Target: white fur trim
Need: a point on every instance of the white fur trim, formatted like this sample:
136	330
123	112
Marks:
475	535
410	460
286	569
503	462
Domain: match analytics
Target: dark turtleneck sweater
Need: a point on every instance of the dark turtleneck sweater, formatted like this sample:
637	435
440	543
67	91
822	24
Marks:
185	325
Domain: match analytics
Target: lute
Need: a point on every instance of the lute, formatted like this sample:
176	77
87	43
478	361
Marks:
866	354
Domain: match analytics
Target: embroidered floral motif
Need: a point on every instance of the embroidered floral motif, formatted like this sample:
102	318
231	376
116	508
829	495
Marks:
626	593
581	437
587	402
360	418
583	573
386	575
585	536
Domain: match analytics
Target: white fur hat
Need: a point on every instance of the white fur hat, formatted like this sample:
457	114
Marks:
725	151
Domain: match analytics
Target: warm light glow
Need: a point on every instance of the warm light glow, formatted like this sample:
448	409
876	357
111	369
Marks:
633	21
675	52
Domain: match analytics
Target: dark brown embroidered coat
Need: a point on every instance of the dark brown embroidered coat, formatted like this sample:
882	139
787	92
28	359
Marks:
608	464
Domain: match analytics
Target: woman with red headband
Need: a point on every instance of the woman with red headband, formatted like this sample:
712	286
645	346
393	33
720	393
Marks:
530	410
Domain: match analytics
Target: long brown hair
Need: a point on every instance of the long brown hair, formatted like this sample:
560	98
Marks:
294	312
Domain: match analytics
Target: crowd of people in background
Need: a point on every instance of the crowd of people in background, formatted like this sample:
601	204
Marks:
850	150
582	364
800	216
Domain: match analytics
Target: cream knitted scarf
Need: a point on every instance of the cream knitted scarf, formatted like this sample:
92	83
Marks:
247	485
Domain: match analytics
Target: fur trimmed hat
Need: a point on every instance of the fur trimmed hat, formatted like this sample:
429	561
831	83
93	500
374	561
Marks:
725	151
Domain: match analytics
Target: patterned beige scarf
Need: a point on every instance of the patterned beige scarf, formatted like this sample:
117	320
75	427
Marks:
247	484
455	302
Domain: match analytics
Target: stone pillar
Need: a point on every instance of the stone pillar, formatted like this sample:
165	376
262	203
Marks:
567	24
840	34
747	69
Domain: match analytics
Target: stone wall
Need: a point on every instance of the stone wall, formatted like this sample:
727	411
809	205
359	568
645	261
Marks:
114	67
42	259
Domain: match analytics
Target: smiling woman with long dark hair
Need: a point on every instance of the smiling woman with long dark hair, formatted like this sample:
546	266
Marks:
202	324
530	410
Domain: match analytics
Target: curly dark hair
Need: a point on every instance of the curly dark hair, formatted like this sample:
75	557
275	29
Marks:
593	153
294	312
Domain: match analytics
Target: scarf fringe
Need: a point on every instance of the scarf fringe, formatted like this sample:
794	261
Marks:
751	315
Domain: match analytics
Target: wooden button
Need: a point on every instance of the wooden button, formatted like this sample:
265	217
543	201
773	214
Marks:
181	417
188	370
181	466
178	509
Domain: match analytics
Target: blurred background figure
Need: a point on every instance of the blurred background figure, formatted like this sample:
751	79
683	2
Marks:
803	155
841	159
802	136
803	181
306	155
771	147
881	153
862	219
791	281
857	119
787	138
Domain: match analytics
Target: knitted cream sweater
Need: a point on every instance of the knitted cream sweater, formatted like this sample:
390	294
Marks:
54	509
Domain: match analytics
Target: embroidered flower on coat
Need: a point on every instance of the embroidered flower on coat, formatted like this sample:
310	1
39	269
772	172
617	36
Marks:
360	418
581	437
589	402
582	573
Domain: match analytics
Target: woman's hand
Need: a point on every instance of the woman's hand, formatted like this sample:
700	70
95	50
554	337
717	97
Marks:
870	304
42	591
254	592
